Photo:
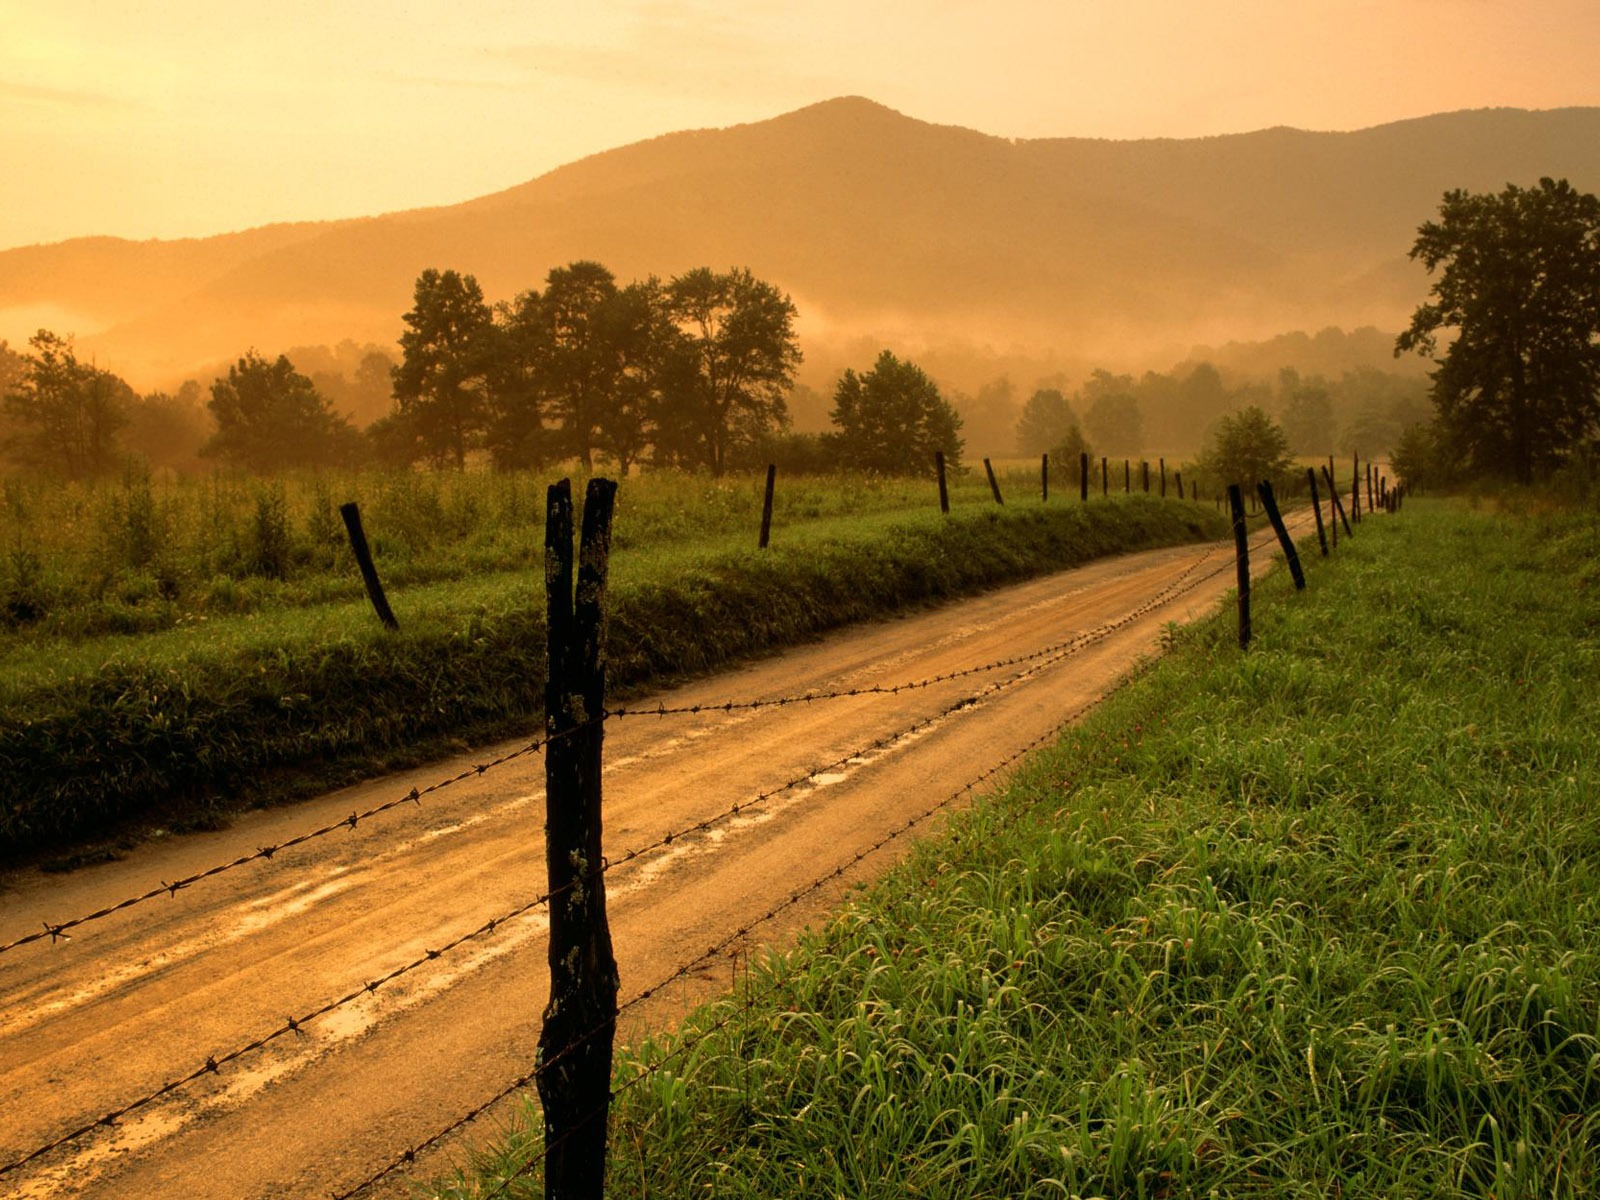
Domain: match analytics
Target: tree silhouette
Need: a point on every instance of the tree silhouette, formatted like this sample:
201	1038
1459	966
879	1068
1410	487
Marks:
67	412
270	417
1519	283
892	419
449	351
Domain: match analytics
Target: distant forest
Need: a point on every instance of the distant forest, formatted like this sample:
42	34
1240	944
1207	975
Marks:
1327	390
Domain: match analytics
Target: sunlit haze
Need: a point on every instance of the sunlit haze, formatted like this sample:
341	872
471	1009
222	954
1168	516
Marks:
188	118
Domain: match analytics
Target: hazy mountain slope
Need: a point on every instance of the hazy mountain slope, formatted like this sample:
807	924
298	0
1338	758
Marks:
876	223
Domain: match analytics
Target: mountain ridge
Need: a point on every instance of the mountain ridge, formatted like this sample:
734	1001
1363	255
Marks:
880	225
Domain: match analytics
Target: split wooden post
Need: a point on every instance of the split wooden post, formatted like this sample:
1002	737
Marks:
1083	476
1044	479
575	1045
1316	507
1333	497
1241	550
944	492
351	513
1290	554
766	505
994	484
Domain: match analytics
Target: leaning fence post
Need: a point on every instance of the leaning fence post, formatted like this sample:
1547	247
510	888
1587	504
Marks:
1241	550
351	513
1355	488
1177	478
1270	503
1316	507
944	492
766	505
575	1045
1333	498
994	484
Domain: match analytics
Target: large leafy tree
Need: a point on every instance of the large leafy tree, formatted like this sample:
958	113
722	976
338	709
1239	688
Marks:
1519	284
1112	417
442	384
1246	447
892	419
739	354
66	413
270	417
1046	420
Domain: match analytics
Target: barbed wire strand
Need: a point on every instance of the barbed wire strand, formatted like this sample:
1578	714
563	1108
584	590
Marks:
720	947
58	932
777	984
213	1063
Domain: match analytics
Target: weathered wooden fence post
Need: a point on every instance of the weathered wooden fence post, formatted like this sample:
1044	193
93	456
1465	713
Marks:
1333	498
351	513
1105	478
1371	507
1127	478
1083	476
1177	478
1316	507
766	505
575	1045
944	492
1044	479
1355	489
994	484
1163	462
1144	471
1290	554
1241	550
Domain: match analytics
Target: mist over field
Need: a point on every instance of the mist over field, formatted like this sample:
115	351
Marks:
980	256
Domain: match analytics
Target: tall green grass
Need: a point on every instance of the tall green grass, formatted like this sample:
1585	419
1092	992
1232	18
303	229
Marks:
140	555
1322	919
263	704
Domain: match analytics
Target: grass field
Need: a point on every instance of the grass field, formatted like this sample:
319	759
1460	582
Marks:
1322	919
196	707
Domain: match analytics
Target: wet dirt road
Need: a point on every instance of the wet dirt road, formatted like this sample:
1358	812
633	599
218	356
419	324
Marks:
150	994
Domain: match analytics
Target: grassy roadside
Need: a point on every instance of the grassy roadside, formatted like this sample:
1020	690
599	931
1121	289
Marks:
1323	919
272	703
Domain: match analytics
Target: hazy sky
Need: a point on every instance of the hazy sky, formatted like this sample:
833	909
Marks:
167	118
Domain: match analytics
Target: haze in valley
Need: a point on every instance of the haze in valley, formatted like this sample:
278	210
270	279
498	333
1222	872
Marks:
1023	190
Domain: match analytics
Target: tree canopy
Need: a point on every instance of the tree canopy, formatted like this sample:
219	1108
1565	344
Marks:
67	412
449	349
269	417
892	419
1519	285
1245	448
1046	419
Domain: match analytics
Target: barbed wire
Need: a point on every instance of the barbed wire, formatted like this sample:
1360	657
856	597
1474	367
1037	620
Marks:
877	689
685	1045
58	932
294	1025
720	947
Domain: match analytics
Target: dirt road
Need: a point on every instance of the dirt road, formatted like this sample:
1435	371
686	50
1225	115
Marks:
151	993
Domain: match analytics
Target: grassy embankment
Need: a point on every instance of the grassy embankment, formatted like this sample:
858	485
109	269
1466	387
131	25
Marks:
1319	920
303	688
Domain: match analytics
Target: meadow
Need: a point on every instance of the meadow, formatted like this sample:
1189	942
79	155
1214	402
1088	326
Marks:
1317	919
177	650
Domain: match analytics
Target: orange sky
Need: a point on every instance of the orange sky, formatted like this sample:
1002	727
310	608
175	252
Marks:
182	117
